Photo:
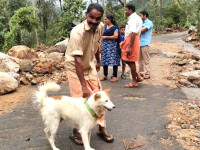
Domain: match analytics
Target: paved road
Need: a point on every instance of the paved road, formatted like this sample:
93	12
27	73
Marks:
138	111
168	37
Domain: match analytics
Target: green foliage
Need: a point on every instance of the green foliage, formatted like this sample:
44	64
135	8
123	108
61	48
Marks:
118	13
25	18
72	11
12	38
14	5
175	15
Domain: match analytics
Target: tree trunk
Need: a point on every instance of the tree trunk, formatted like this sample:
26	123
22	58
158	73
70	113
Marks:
161	14
36	33
143	5
60	5
91	1
104	8
124	9
154	12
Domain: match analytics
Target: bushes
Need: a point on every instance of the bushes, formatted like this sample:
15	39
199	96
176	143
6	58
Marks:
175	15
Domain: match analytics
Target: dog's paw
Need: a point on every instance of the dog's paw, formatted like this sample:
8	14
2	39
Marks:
56	149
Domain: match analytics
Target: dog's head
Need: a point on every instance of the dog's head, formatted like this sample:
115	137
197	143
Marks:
102	99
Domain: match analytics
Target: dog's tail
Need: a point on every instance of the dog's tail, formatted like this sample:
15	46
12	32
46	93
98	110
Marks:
42	92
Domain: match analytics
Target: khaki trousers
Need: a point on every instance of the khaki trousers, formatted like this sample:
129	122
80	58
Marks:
144	60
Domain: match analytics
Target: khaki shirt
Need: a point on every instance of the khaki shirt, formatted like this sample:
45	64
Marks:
85	43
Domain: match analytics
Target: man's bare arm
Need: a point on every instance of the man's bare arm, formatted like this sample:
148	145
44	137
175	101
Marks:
80	74
97	55
144	29
131	43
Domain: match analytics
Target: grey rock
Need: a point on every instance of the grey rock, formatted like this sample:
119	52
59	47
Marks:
25	65
7	82
191	106
197	135
192	127
8	63
185	126
181	63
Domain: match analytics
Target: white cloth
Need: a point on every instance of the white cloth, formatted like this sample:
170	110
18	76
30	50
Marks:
134	24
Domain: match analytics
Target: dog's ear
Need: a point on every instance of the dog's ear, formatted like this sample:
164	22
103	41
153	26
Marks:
97	96
107	91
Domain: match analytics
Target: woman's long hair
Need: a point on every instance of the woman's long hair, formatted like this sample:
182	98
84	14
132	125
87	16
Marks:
111	18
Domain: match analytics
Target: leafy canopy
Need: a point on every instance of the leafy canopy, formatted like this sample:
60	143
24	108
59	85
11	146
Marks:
25	18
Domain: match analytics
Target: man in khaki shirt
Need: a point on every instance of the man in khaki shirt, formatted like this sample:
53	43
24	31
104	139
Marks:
83	62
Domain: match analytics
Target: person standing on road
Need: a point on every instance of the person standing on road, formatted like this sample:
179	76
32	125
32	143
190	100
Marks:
131	46
122	38
110	55
145	41
83	62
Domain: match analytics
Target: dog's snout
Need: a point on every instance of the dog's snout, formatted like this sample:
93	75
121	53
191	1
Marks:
113	107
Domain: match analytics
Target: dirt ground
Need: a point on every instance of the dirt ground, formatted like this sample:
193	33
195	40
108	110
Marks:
161	65
185	123
11	100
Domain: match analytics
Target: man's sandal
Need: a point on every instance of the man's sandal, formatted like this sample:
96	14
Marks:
103	78
77	140
106	137
131	85
114	79
146	76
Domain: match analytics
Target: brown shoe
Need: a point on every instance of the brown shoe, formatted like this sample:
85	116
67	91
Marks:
103	78
114	79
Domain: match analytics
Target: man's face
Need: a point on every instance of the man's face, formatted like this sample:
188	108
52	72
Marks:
122	31
93	18
143	17
128	12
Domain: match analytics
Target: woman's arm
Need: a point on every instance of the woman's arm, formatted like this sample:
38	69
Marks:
114	37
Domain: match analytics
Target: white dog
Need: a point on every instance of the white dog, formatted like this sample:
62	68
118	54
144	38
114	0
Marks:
77	112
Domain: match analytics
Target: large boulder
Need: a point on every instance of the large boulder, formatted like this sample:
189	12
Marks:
8	64
7	82
62	46
55	56
22	52
25	65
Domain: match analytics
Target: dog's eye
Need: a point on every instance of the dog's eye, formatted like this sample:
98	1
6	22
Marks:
106	100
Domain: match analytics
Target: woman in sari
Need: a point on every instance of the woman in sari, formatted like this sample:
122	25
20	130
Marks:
110	55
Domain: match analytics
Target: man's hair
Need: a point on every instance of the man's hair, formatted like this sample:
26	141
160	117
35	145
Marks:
131	6
144	13
123	26
95	6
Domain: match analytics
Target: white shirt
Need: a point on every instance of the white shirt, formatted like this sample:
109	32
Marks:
134	24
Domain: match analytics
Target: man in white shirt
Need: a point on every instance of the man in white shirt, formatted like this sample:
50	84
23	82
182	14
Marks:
131	46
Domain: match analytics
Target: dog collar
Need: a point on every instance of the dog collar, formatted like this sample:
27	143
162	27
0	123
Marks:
90	109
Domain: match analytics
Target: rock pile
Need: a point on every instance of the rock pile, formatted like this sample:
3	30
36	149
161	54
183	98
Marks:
185	123
193	37
22	65
186	70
